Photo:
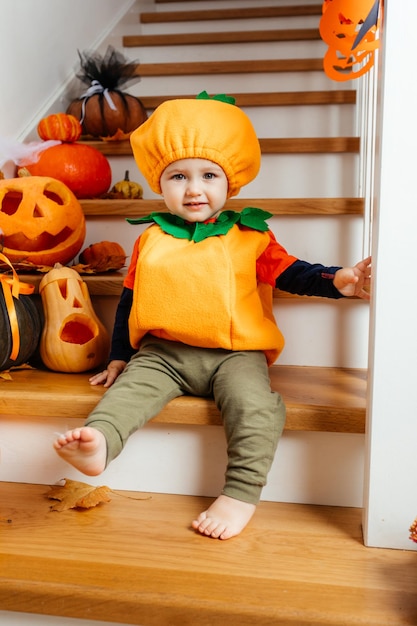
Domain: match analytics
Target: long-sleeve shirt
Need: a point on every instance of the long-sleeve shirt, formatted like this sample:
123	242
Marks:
274	268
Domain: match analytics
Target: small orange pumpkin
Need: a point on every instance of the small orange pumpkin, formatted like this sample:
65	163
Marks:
73	338
84	169
41	220
107	255
60	126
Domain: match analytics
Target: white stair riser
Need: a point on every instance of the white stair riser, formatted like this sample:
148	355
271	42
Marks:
234	83
228	52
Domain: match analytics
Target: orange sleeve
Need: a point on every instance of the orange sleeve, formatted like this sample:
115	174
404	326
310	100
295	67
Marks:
273	262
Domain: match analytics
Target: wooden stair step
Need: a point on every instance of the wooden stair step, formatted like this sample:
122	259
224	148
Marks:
303	145
276	206
290	145
230	14
264	99
317	398
137	561
193	68
250	36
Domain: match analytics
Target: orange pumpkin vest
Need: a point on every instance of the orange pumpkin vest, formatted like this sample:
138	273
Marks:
204	294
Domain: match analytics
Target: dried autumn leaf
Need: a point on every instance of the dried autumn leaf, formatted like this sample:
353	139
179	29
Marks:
119	135
110	263
6	375
21	265
77	495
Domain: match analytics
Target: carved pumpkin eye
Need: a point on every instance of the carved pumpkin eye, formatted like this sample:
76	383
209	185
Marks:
41	220
13	199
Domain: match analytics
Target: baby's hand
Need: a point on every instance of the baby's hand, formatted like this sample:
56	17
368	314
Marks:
109	375
354	281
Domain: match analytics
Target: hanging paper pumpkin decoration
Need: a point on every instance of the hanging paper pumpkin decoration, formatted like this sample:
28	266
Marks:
73	338
350	29
41	220
20	321
84	169
104	110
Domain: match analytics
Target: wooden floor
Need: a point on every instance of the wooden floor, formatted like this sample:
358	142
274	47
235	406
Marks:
138	562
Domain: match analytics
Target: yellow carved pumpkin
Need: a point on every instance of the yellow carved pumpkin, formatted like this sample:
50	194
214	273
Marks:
73	338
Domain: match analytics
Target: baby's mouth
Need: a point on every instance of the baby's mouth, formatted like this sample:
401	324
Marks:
195	205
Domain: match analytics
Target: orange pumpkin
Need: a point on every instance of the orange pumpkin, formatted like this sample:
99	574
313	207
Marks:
104	255
73	338
41	220
59	126
84	169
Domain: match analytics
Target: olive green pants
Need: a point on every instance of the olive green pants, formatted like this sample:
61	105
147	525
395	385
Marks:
253	415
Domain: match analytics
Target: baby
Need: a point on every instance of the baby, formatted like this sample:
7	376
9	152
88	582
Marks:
195	315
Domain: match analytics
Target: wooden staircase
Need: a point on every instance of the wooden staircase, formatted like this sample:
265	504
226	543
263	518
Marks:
296	563
330	396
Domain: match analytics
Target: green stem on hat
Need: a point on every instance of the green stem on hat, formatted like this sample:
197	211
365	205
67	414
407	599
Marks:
221	97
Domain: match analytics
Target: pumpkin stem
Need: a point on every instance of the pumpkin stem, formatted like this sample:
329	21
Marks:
126	176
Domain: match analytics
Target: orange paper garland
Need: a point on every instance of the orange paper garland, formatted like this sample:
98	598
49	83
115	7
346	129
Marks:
12	287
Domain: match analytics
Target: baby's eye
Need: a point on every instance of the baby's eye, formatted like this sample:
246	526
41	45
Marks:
209	175
178	177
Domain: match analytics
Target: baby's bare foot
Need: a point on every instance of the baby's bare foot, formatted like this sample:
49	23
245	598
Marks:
225	518
84	448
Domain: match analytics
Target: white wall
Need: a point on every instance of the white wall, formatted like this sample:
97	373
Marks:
31	34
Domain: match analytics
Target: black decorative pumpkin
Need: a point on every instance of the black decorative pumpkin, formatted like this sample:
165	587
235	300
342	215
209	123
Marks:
20	326
104	110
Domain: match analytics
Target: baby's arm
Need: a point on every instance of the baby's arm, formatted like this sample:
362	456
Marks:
121	350
354	281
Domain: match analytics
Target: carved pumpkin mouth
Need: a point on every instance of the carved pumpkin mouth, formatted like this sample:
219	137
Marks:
44	241
78	329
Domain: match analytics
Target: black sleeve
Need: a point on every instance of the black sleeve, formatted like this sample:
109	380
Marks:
120	344
306	279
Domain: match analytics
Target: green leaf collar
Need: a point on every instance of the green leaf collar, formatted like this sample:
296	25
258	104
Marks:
249	217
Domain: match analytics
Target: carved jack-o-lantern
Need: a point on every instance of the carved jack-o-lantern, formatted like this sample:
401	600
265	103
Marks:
73	338
41	220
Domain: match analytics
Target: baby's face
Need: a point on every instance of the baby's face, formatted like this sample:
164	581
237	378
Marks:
194	189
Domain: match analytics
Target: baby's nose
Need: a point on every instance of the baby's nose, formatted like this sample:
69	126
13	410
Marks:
193	188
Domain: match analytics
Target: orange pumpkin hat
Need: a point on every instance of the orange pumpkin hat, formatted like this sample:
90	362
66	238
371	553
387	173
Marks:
205	128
